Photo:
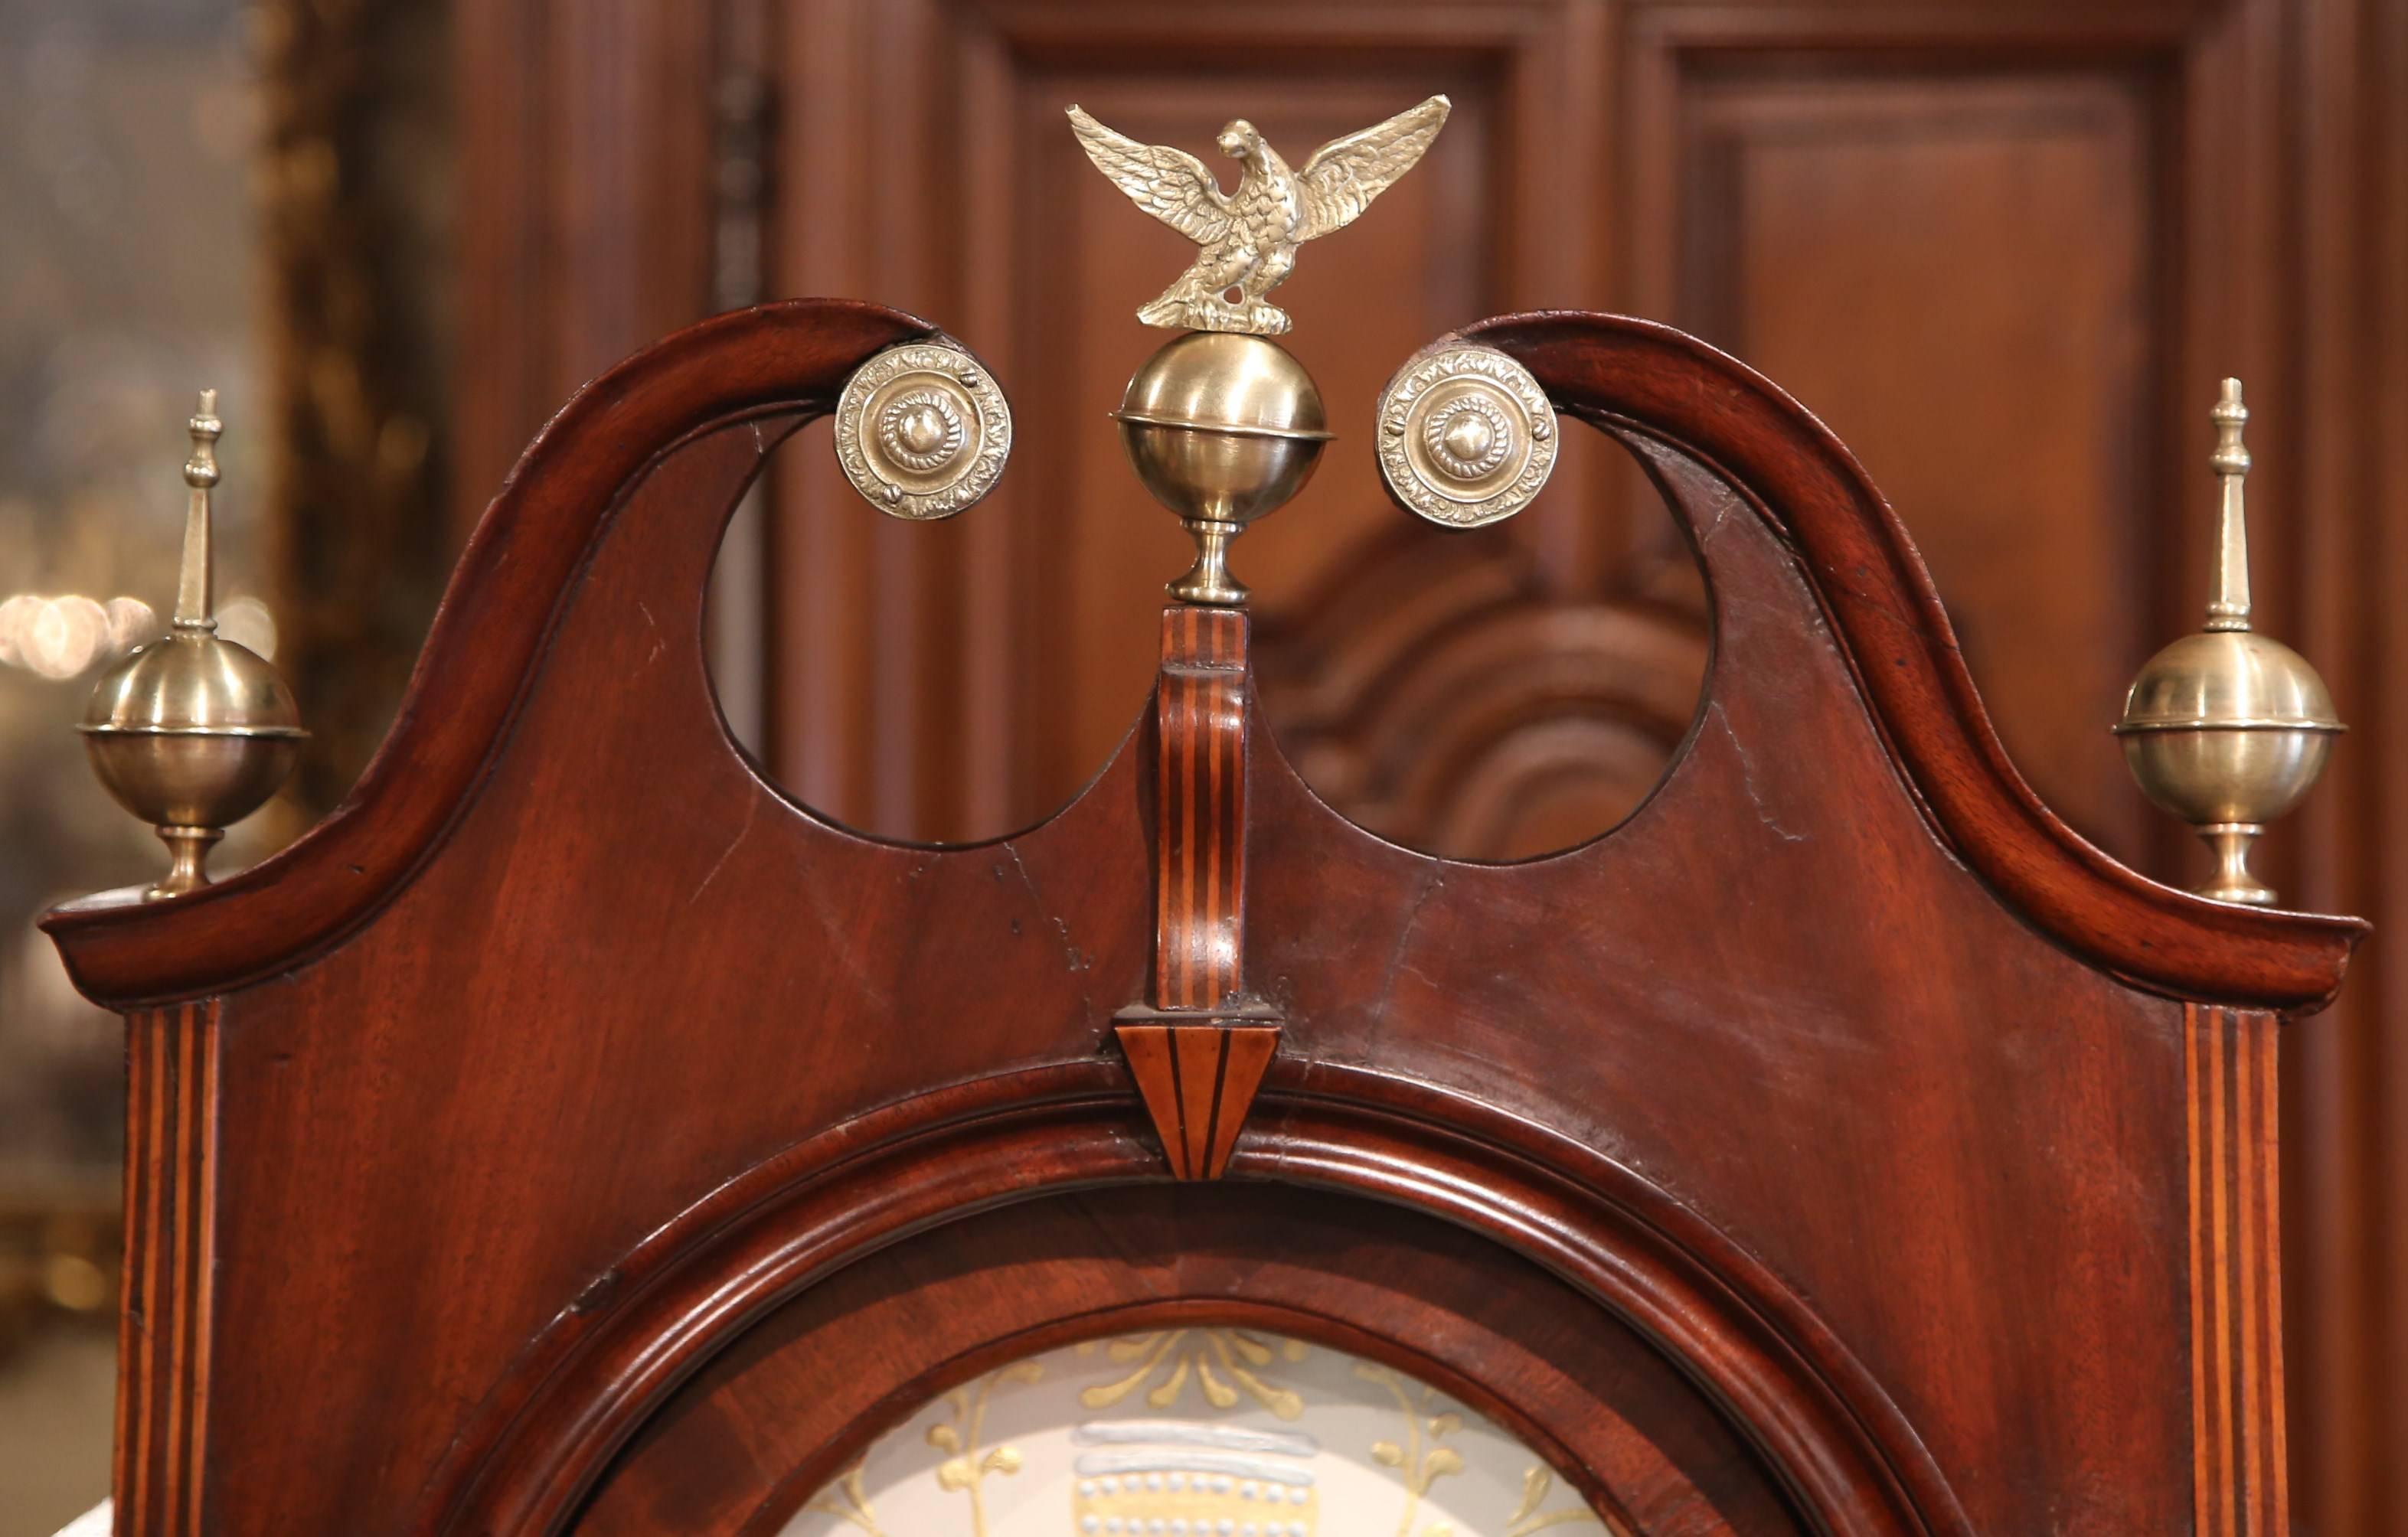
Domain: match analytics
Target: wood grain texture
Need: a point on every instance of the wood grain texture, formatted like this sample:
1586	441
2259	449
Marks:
1790	208
1246	1052
1826	1075
585	190
1899	644
1449	695
488	640
165	1333
603	1369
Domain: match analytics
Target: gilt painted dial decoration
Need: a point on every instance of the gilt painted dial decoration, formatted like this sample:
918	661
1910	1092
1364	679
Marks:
1195	1433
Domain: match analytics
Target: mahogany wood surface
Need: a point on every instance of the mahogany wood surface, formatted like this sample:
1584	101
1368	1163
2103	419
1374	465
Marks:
2005	249
572	1054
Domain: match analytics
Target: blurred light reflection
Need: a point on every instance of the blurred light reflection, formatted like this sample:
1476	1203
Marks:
60	637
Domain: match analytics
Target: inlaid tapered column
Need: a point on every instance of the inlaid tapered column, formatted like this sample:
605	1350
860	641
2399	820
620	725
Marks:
1198	1052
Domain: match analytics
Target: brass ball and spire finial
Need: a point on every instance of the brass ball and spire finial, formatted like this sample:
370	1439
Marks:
2226	729
193	732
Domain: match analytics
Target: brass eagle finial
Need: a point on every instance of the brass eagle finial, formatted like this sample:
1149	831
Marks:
1248	236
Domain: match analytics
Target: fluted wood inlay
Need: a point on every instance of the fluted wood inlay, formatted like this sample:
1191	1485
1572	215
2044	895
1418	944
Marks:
1200	808
164	1327
2240	1481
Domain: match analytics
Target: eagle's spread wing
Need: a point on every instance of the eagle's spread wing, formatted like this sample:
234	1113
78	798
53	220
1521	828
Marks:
1344	175
1169	184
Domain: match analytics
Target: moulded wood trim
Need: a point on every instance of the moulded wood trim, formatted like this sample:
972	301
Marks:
1051	32
1614	370
2005	30
611	1356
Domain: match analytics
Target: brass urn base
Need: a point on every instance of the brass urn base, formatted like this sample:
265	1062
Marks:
188	858
1207	581
2232	882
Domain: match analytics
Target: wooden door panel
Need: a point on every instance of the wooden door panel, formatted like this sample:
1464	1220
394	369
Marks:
1943	251
1953	274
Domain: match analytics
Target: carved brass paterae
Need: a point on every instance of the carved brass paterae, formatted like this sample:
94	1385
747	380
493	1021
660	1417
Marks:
923	431
1466	437
1248	236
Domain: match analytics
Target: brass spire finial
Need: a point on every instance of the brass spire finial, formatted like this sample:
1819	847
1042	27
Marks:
2228	609
193	732
196	598
2226	729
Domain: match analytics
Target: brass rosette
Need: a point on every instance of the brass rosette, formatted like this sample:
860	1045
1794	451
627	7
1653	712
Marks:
1466	437
923	431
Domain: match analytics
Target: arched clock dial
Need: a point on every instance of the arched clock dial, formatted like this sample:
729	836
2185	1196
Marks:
1200	1431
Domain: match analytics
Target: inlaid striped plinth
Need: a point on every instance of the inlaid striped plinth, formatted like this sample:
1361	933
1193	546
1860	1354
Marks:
1198	1077
163	1325
2240	1483
1200	714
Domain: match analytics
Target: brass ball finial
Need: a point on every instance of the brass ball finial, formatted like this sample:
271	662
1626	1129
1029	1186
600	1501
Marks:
2227	729
1223	428
193	732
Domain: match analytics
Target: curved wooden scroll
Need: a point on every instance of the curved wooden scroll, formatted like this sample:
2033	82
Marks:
1802	480
488	639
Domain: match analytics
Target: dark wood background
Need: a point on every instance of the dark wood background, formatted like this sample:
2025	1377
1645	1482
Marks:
2004	248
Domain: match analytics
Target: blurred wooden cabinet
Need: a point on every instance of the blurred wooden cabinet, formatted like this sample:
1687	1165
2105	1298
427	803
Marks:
2003	247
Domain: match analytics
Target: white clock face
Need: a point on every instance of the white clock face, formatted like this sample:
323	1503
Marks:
1202	1431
